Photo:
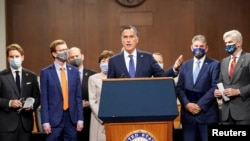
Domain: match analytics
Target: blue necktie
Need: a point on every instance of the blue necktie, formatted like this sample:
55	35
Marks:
18	81
131	66
196	71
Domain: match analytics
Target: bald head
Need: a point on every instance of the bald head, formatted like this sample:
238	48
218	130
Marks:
75	56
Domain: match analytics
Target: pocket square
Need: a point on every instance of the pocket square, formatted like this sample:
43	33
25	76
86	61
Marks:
28	83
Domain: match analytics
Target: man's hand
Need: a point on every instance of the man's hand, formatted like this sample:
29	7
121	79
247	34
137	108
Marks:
47	129
85	103
193	108
217	93
79	127
230	92
16	103
178	63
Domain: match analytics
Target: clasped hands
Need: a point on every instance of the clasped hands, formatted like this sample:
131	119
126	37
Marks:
193	108
229	92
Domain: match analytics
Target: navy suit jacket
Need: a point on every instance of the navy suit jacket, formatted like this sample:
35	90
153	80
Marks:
202	92
51	95
146	66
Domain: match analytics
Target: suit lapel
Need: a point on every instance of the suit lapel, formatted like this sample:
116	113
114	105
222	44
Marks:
55	77
240	61
12	82
70	78
122	64
139	64
25	74
202	69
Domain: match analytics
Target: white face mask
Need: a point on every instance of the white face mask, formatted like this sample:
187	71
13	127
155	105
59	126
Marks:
161	65
15	63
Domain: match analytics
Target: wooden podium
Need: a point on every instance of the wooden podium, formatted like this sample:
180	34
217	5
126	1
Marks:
140	109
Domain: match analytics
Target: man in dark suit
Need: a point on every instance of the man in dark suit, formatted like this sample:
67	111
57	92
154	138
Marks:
236	110
144	64
16	85
61	110
76	58
199	107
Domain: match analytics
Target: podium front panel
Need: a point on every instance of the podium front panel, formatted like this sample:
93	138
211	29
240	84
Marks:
138	99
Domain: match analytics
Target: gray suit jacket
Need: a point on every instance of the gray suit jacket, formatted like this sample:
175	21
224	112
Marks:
239	106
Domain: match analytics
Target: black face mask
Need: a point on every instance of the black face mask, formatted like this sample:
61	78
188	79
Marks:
230	48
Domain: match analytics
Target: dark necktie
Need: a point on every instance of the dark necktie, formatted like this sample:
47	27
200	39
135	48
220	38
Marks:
232	66
131	66
18	81
196	71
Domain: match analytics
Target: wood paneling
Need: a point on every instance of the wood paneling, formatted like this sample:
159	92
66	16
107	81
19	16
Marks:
166	26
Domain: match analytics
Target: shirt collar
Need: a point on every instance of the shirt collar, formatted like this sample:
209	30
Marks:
14	70
58	66
238	54
201	59
133	53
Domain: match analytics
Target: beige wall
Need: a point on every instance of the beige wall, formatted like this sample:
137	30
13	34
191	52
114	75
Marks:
2	35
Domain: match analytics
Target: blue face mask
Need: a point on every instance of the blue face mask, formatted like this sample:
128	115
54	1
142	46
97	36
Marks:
230	48
199	52
15	63
104	67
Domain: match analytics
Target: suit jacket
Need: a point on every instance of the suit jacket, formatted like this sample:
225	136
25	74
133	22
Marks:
202	92
85	79
84	134
146	66
238	106
51	95
9	117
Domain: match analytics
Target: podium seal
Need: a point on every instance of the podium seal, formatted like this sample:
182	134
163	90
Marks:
139	135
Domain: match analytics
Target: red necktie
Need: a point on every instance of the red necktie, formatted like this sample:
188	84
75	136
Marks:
232	66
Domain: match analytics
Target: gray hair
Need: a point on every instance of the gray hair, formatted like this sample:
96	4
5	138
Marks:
199	38
234	34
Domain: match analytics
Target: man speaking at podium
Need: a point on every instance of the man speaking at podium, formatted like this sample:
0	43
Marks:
132	62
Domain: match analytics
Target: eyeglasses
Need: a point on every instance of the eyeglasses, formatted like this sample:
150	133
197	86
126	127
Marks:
62	50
